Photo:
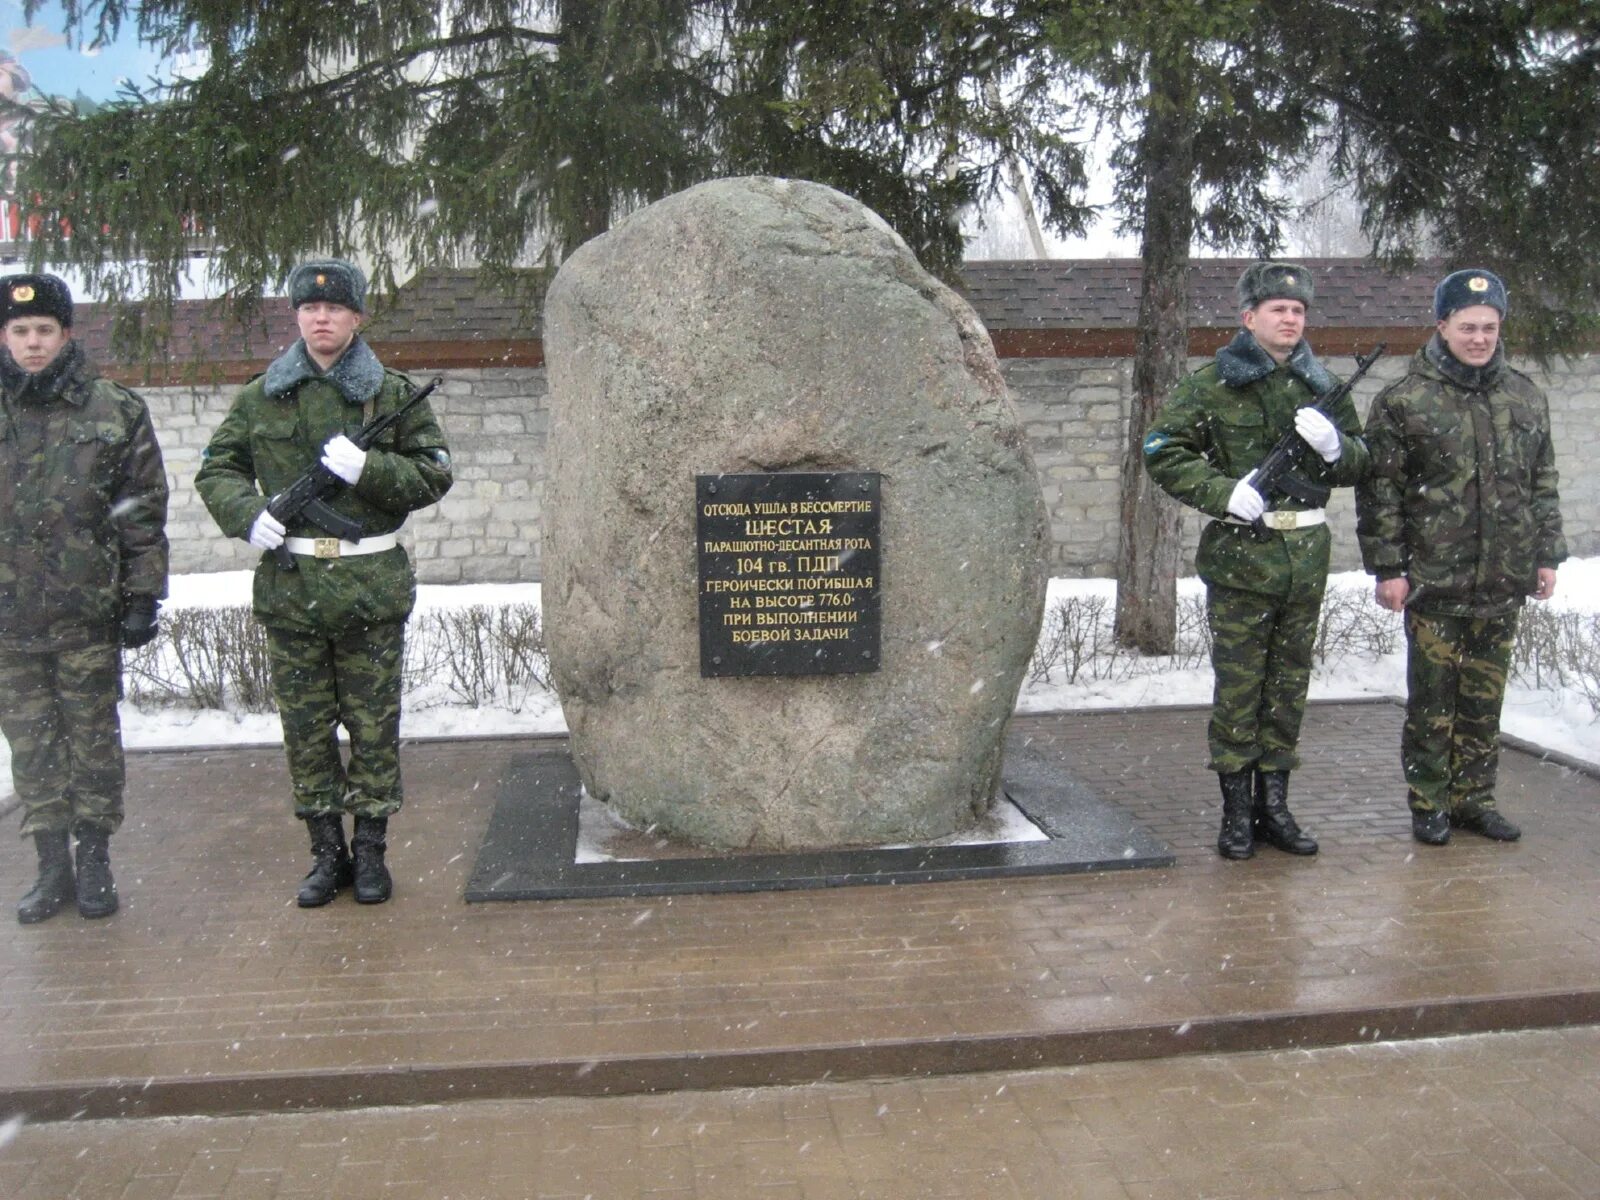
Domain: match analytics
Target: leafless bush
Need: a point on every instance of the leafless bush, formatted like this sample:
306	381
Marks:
1073	634
1192	647
1353	626
217	658
203	658
1536	653
1556	648
481	654
1078	638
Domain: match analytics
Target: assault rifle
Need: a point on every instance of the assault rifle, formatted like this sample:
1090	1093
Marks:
1275	475
308	495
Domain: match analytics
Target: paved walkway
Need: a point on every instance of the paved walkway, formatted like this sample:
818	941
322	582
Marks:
1471	1118
211	993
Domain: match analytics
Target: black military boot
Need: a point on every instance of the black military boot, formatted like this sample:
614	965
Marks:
97	891
1430	826
331	869
1274	823
373	885
1489	823
55	886
1236	839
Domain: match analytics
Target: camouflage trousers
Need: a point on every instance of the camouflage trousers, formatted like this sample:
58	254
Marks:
1455	683
321	683
1261	648
58	710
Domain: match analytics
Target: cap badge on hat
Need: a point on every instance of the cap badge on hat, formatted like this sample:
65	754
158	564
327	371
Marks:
1478	284
1289	279
322	281
21	294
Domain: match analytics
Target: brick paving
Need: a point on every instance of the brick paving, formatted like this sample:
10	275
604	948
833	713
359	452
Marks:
1513	1115
211	992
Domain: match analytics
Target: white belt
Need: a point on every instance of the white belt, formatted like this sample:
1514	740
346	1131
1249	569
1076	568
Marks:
1284	520
335	548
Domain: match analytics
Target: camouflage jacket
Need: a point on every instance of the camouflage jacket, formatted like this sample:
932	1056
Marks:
1462	497
1217	426
83	504
276	428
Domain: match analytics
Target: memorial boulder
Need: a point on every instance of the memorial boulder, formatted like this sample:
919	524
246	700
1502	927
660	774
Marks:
794	543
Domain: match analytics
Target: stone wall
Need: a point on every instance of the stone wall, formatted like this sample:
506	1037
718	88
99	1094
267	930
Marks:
1074	410
486	530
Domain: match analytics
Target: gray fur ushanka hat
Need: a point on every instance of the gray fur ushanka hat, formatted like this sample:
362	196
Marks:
1263	281
332	280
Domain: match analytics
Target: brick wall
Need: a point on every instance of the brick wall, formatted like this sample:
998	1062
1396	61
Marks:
1074	410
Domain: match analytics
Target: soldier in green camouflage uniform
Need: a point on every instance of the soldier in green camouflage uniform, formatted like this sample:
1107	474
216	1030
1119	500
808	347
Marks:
1263	586
336	624
1460	521
83	566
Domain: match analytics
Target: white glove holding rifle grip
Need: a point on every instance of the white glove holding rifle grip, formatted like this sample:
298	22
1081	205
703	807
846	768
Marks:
1246	503
344	458
267	532
1318	432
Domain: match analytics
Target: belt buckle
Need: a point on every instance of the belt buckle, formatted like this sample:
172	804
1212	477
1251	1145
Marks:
325	547
1283	521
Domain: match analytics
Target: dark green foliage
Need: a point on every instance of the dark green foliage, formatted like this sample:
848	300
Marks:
911	107
1477	123
1468	127
407	132
498	133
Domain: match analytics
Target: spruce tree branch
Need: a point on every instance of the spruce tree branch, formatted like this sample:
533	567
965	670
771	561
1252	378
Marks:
1347	104
405	55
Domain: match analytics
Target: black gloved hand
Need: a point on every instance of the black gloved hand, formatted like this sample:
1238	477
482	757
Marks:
139	623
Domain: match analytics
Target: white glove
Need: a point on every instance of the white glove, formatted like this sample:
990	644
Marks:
1318	433
267	533
1246	503
344	458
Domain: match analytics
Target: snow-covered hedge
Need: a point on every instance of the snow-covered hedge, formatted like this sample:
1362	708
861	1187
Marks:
1556	648
483	647
216	658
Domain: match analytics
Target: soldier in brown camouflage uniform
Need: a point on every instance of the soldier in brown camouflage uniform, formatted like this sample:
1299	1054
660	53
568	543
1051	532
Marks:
1263	591
83	566
336	623
1460	520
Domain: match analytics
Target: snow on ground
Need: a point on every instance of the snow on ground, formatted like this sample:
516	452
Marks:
428	718
1561	721
1557	720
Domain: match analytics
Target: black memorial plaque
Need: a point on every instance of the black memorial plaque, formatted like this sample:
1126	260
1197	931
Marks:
788	572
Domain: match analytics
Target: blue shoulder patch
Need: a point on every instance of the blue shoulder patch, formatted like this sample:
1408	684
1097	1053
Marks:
1153	441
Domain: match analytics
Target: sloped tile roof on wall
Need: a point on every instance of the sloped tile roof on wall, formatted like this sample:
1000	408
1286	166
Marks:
445	304
453	317
1104	293
204	344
